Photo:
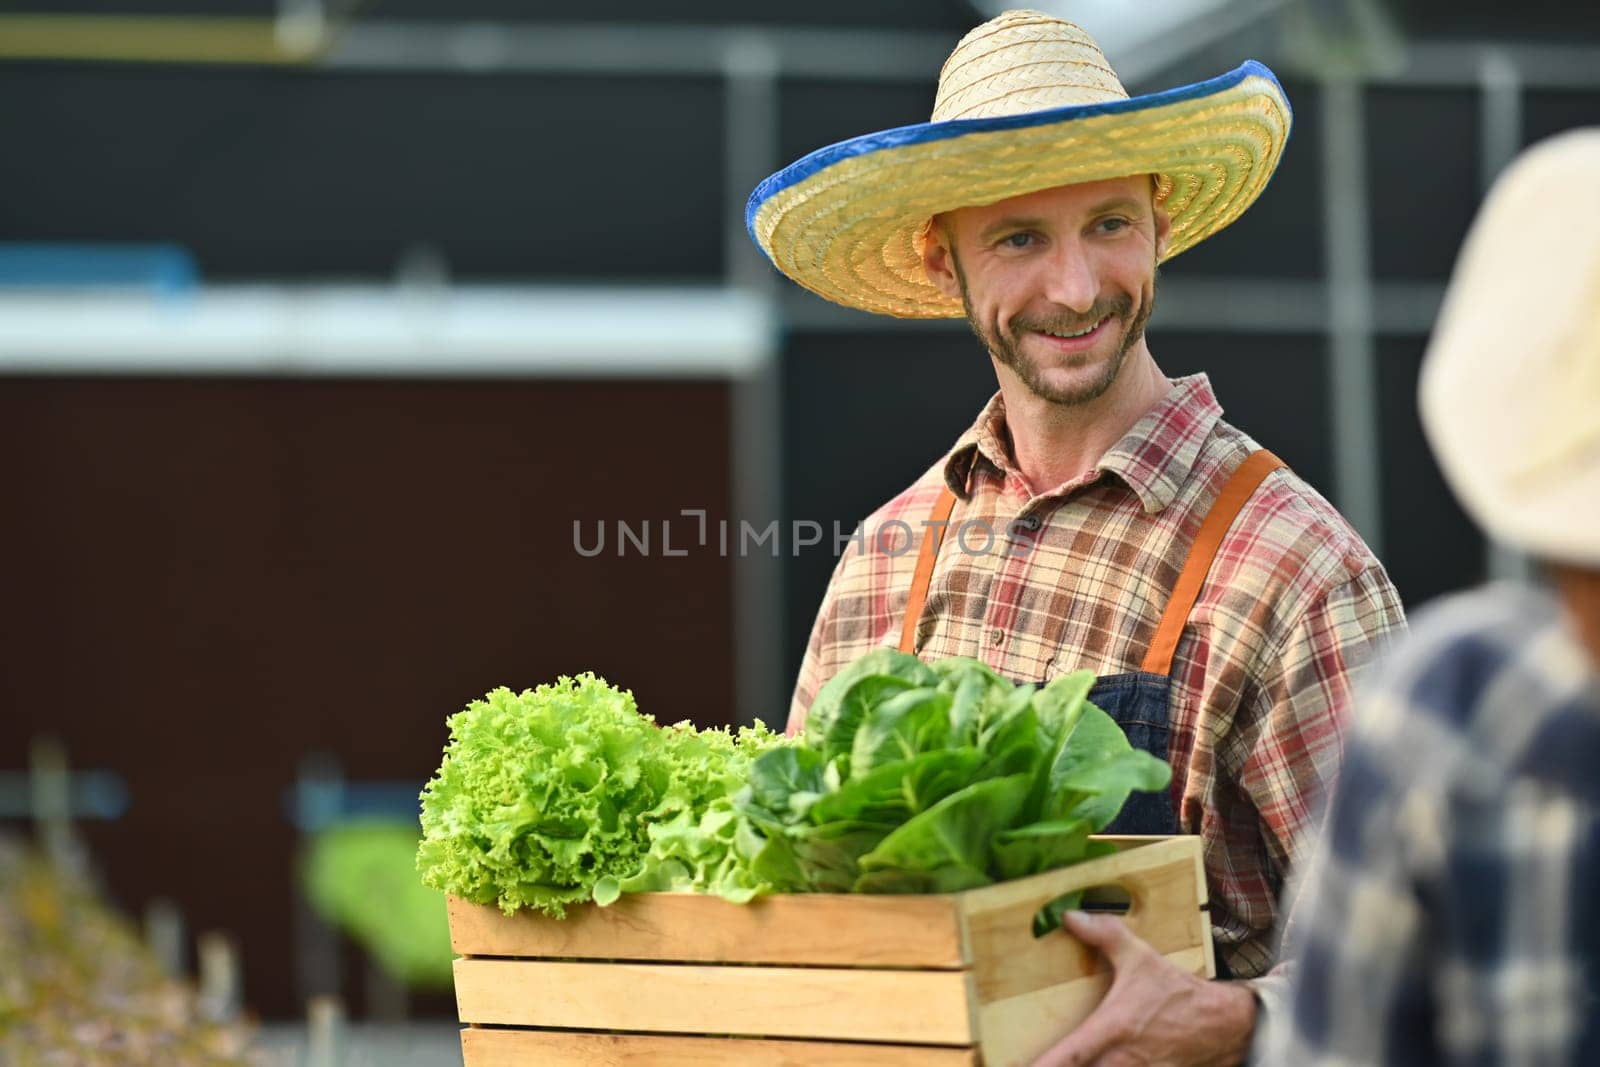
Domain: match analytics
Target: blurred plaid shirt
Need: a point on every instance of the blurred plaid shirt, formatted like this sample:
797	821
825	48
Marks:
1295	603
1451	914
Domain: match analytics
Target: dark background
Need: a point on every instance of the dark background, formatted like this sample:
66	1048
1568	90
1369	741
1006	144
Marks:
206	579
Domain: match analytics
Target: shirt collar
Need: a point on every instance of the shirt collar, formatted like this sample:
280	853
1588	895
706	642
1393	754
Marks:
984	442
1153	458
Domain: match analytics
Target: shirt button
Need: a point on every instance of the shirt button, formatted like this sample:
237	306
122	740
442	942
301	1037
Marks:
996	636
1030	522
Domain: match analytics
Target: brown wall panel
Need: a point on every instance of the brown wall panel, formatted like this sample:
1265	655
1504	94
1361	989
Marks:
205	580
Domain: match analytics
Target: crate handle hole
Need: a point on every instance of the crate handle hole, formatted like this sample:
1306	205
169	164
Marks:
1105	899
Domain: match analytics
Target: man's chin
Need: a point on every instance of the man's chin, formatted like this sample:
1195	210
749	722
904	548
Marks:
1069	393
1073	379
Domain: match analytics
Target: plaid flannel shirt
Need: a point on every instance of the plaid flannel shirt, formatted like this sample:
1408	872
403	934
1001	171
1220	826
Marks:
1078	576
1451	914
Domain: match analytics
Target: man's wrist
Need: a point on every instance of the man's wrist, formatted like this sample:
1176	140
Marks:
1235	1007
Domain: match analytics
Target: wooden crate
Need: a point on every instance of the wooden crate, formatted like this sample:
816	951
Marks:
830	980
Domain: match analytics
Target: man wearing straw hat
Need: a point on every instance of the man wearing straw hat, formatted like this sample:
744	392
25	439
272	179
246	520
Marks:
1452	913
1097	514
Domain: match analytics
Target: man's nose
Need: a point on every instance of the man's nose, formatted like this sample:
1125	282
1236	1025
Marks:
1071	281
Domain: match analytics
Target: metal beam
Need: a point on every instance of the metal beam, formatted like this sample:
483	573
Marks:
1461	64
459	331
897	56
473	46
1352	366
751	64
616	49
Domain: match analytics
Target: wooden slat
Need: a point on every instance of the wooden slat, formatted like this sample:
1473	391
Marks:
835	930
930	1007
1103	871
1018	1029
1018	991
1165	911
1123	842
1127	841
561	1048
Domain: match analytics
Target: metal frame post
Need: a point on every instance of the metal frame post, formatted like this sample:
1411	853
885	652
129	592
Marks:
1352	364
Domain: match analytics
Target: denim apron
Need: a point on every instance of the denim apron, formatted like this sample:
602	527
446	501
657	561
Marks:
1138	701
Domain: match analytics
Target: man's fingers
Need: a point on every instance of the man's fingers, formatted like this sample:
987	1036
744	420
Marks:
1101	1031
1105	933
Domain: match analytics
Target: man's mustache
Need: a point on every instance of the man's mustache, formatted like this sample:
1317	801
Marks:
1118	307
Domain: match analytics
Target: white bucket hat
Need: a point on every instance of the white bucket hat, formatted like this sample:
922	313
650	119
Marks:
1025	102
1510	390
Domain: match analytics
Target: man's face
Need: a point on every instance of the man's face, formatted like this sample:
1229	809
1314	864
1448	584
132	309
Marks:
1057	284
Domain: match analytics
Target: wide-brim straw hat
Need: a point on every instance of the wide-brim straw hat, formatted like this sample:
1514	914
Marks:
1510	390
1025	102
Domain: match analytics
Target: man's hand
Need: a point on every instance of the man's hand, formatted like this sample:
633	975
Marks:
1154	1015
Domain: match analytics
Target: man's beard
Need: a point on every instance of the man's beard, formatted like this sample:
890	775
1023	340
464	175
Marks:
1007	350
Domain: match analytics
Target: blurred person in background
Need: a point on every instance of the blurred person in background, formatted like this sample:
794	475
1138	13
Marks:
1098	514
1451	914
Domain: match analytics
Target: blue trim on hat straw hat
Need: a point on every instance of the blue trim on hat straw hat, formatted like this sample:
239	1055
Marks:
926	132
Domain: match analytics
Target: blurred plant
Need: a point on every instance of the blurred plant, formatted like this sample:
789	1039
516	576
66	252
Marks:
361	876
78	986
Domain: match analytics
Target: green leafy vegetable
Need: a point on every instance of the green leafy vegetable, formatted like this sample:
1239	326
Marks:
948	844
567	793
836	712
1094	769
692	830
359	877
911	778
925	778
909	722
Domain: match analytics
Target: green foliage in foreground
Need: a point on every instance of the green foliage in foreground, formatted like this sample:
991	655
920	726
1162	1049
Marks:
919	778
911	778
567	793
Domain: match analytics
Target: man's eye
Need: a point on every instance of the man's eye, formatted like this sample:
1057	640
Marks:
1017	240
1113	225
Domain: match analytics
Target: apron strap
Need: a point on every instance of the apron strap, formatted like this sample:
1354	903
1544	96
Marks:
1241	485
932	535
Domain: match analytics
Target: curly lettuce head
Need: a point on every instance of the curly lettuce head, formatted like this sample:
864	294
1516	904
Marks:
539	795
691	830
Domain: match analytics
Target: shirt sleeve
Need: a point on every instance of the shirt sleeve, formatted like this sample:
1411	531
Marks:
1273	992
1289	735
1294	744
1356	934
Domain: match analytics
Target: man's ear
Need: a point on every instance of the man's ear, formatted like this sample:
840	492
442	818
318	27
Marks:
938	259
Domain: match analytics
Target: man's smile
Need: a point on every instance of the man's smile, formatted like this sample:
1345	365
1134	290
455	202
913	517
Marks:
1074	341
